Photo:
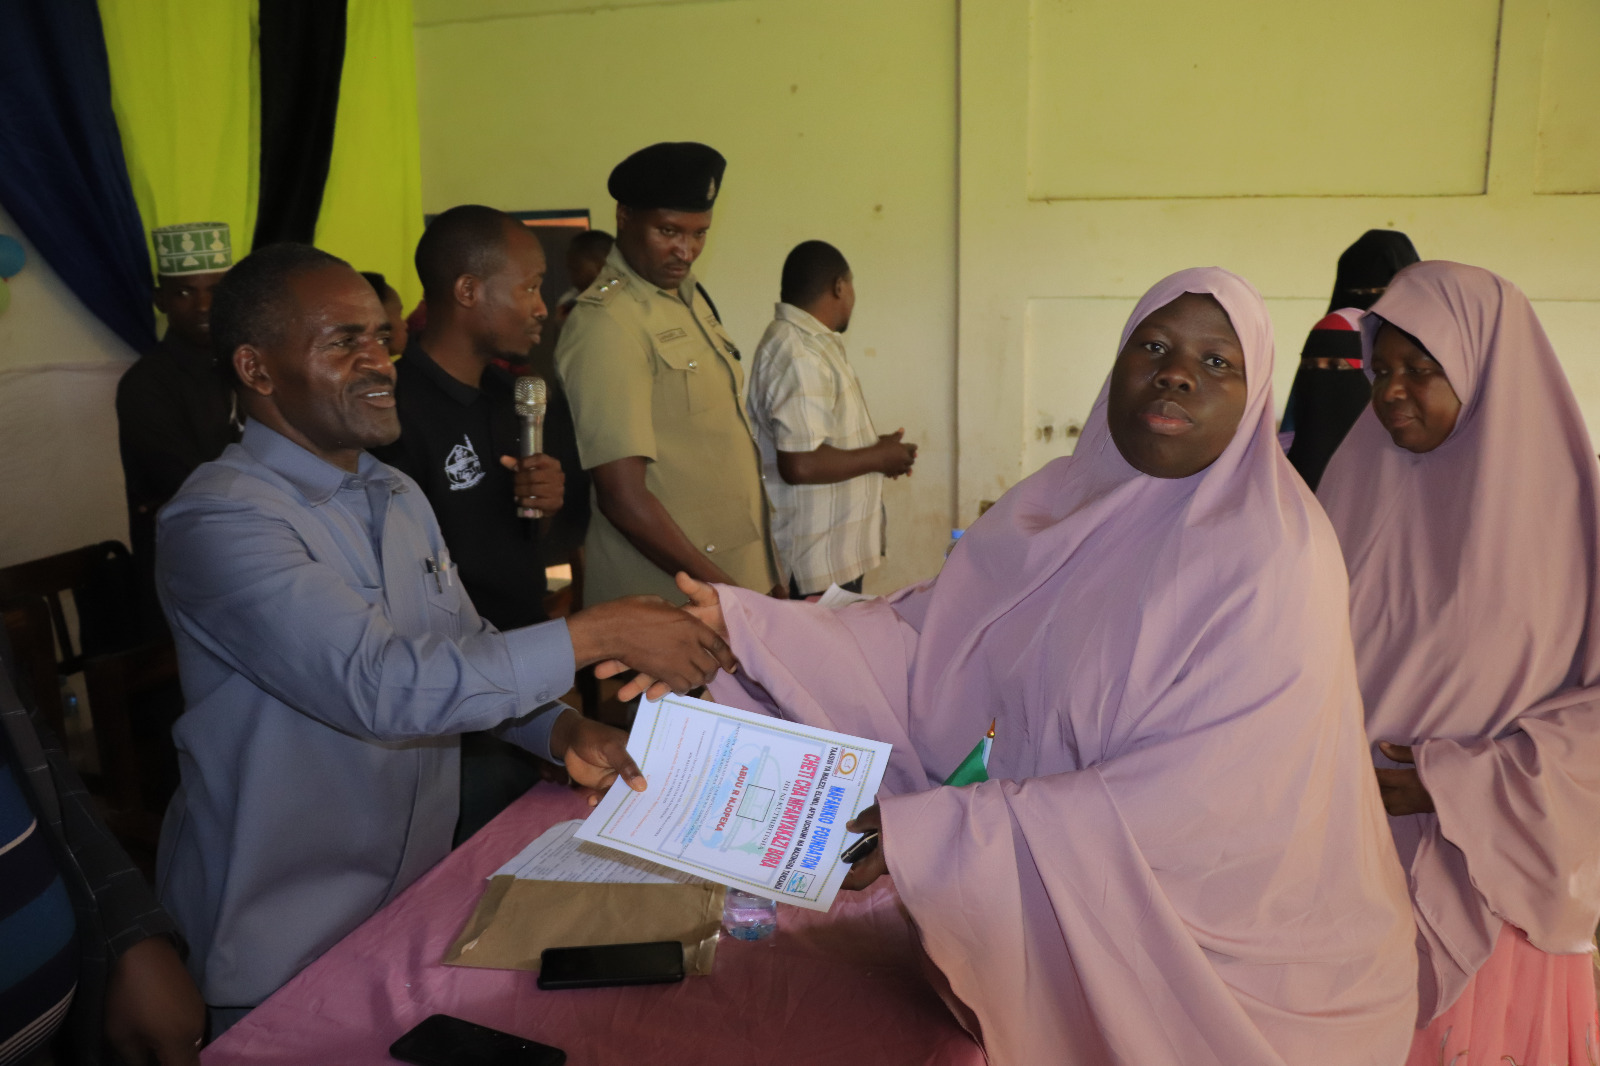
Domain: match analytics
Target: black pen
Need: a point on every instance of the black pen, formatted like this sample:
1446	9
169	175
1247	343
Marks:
861	848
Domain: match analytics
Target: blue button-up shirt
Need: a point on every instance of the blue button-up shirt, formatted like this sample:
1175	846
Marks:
329	659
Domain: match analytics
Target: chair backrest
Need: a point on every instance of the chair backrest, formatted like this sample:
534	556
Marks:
36	620
115	684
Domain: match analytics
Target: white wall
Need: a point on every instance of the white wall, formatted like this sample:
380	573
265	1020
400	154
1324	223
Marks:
838	121
60	474
1104	145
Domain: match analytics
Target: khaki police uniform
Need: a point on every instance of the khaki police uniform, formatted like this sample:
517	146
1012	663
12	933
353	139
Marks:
651	372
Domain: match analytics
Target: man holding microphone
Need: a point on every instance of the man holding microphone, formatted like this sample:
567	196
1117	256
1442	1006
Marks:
481	271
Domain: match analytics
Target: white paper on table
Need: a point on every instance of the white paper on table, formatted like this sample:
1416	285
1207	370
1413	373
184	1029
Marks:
835	597
558	856
747	801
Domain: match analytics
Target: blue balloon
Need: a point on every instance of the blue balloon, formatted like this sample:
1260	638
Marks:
12	257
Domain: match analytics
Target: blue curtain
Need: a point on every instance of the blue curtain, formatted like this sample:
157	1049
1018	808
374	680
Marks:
62	174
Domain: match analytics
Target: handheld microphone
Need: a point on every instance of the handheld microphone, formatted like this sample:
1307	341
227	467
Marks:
529	396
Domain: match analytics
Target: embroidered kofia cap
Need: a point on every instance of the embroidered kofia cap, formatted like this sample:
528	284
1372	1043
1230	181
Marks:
193	248
679	176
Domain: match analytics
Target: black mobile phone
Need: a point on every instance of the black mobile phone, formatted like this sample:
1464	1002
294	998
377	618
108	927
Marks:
861	848
605	965
440	1040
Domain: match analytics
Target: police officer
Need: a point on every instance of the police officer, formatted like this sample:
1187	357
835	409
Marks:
654	382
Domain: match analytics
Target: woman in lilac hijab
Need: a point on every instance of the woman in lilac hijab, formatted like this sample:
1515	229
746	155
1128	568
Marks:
1180	855
1467	502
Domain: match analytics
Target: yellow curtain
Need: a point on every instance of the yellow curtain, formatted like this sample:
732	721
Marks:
372	204
185	90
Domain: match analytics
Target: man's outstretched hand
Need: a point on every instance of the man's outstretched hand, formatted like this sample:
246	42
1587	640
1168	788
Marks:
595	754
647	634
705	606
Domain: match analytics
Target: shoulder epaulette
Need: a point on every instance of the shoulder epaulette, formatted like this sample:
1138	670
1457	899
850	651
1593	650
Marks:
602	291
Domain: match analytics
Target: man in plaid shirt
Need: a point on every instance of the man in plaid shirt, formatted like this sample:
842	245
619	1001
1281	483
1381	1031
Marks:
824	464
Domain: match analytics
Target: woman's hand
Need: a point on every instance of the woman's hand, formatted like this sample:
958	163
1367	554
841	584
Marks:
640	682
874	866
1402	790
704	603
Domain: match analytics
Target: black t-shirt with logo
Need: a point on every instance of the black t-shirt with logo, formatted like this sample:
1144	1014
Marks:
451	439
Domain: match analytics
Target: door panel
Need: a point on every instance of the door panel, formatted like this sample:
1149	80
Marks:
1087	173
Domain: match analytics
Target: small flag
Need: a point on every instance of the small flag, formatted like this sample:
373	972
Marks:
975	767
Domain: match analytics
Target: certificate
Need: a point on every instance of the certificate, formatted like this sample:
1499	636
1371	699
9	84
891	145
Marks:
747	801
558	856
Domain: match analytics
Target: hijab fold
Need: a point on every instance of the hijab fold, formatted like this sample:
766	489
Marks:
1152	874
1474	605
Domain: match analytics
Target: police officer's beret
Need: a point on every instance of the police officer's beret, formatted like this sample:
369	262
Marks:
676	175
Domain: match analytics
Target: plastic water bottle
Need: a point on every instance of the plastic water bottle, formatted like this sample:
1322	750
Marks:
747	917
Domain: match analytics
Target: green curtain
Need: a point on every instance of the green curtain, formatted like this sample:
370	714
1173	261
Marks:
184	88
372	203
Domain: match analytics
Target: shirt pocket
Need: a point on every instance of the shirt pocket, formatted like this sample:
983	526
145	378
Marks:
444	598
719	528
687	376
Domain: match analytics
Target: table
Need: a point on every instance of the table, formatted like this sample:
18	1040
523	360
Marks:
846	985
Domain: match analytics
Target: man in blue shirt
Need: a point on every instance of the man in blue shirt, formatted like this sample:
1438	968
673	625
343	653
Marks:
329	656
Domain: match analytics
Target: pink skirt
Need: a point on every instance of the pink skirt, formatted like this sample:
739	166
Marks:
1524	1007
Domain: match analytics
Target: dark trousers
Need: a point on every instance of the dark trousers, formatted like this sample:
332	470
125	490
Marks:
494	774
848	586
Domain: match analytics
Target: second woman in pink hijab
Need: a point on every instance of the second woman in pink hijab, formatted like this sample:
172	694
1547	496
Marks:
1467	502
1180	856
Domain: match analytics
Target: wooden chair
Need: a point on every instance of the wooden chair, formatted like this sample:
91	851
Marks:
36	621
137	766
118	678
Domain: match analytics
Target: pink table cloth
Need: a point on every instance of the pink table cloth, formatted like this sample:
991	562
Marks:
847	983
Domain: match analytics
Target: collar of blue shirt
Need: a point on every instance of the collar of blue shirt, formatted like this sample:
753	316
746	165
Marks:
315	478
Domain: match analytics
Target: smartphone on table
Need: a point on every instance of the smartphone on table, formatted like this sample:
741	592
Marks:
610	965
440	1040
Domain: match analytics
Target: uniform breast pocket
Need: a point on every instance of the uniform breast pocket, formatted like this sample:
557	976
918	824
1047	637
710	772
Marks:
718	528
688	376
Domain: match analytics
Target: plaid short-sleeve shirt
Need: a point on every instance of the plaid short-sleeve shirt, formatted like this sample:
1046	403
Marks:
804	394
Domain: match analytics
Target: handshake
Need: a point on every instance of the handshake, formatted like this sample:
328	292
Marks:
674	649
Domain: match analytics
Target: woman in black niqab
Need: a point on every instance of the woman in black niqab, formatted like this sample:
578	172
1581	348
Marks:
1329	392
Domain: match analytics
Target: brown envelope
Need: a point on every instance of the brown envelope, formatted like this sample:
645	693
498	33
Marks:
516	920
